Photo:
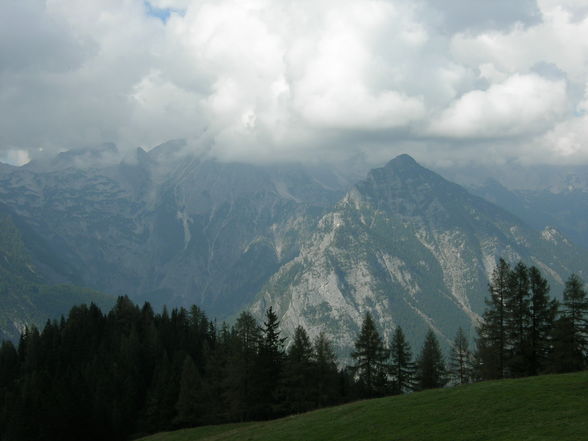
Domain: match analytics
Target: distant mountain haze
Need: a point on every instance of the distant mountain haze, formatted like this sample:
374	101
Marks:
404	243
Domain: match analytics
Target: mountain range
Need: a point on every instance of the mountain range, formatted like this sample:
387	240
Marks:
315	243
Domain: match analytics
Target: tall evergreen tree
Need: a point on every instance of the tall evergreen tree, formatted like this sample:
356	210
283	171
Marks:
370	357
402	368
241	366
571	332
269	367
325	373
298	373
460	359
543	311
492	332
517	320
431	372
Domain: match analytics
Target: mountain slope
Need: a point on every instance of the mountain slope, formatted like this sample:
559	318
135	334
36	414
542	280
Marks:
566	209
25	297
413	249
541	195
548	408
168	227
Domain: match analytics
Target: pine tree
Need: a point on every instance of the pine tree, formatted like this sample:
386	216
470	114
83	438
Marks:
298	373
492	338
269	367
571	332
241	366
543	311
460	359
325	372
431	372
370	357
517	320
402	368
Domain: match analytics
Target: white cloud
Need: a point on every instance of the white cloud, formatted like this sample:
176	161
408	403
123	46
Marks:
260	79
522	104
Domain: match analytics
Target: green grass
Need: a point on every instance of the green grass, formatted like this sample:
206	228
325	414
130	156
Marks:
551	407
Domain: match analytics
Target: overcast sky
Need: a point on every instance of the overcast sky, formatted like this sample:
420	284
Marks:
444	80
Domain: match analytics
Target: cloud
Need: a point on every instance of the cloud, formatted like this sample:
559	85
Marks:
520	105
481	15
264	80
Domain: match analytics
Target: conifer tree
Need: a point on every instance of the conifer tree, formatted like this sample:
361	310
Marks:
370	357
543	311
402	368
517	320
326	374
492	337
460	359
241	366
269	366
571	332
431	372
298	373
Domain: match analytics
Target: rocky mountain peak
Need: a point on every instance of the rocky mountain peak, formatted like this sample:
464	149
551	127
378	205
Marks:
403	160
407	189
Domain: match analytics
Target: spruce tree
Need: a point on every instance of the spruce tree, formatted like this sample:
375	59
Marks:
492	337
241	367
571	333
269	367
517	320
431	372
543	311
460	359
370	357
298	373
325	372
402	368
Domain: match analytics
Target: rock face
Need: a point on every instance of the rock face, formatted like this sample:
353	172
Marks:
166	227
407	245
413	249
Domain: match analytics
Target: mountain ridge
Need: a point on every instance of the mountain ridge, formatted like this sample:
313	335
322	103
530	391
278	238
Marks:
411	248
403	243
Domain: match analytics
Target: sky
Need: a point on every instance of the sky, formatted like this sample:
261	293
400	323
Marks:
448	81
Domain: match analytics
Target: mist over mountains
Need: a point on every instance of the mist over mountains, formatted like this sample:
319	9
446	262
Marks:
316	242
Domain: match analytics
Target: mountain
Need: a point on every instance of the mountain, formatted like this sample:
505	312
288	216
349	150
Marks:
169	227
25	297
176	228
413	249
543	196
565	209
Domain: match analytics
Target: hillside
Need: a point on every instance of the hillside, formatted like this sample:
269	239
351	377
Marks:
405	244
169	229
551	407
412	248
26	297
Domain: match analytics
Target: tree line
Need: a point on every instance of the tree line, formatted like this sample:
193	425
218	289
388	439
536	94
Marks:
523	332
97	376
132	371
